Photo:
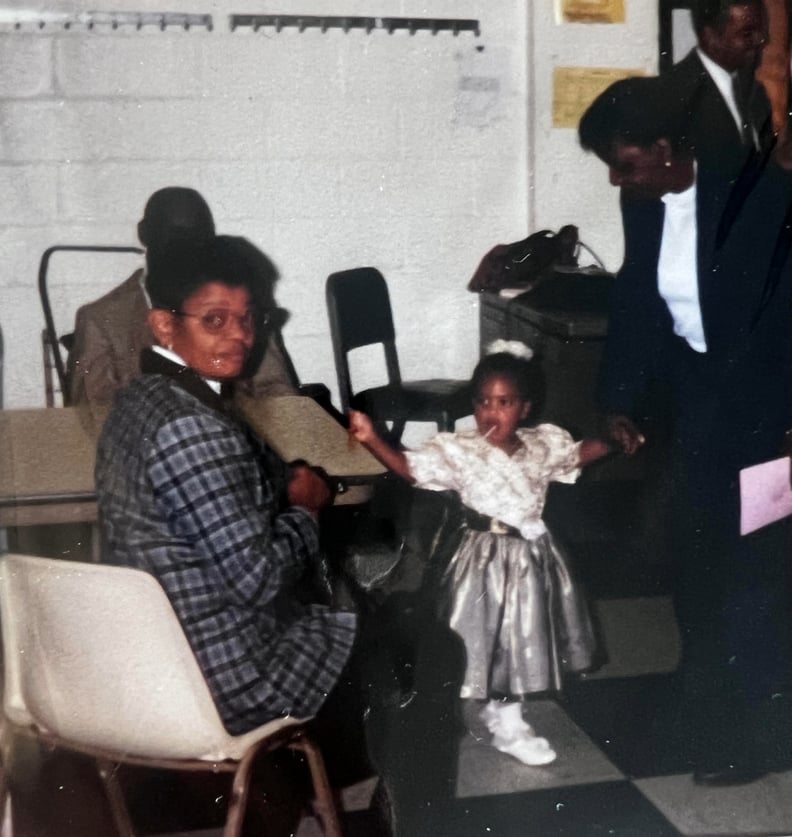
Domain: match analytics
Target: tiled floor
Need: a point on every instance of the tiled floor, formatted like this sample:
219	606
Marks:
622	767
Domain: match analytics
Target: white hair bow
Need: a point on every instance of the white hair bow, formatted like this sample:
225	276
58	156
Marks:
512	347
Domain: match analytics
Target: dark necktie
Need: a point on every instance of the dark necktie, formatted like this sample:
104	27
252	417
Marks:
742	98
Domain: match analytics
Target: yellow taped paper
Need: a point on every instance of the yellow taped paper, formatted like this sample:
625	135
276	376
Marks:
575	88
592	11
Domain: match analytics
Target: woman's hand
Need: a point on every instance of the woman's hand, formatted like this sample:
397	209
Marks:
361	428
307	488
623	433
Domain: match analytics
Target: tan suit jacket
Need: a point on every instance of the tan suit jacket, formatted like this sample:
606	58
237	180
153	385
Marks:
110	333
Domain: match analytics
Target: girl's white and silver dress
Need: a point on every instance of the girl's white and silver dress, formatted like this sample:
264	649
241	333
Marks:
513	598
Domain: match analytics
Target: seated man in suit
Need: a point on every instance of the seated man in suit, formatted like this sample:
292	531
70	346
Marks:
110	333
728	110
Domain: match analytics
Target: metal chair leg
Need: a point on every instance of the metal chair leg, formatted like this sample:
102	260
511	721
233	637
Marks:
109	776
325	802
240	790
6	826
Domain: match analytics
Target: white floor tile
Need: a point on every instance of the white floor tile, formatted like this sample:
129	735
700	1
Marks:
763	807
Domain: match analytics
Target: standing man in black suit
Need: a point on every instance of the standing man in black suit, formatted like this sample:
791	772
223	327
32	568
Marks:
728	110
706	312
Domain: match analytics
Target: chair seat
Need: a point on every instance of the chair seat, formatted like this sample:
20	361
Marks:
416	400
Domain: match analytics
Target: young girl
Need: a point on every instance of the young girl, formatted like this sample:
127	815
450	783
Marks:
513	599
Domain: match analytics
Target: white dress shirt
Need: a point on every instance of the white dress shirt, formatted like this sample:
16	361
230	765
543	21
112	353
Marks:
677	267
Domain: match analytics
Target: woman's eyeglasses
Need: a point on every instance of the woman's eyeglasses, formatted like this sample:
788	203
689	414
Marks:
218	319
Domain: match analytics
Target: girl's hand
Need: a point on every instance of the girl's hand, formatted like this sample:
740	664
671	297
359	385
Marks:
624	434
360	427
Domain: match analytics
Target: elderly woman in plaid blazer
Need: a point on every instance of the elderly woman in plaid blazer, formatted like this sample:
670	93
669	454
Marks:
187	493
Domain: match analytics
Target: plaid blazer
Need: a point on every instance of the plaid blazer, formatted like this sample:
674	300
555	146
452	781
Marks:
188	494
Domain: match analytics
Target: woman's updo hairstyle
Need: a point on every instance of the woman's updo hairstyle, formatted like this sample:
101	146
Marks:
181	267
515	362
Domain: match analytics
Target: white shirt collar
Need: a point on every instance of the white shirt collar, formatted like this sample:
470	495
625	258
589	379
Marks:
723	80
172	356
142	283
714	69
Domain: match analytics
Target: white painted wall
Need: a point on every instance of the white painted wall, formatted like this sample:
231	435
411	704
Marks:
570	186
412	153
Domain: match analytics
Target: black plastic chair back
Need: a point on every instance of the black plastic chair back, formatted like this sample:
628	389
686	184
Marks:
360	303
359	310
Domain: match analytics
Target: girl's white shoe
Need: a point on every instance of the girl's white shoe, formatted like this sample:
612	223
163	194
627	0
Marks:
511	734
531	751
505	719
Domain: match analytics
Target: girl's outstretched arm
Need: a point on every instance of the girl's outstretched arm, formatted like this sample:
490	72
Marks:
623	437
362	429
593	449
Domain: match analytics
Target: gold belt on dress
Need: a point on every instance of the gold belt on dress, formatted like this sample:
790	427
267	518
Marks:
484	523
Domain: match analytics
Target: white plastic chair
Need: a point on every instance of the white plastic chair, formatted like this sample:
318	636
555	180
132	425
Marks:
95	661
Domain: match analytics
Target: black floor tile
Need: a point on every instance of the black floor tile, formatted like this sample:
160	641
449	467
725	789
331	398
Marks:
57	793
604	808
361	824
637	721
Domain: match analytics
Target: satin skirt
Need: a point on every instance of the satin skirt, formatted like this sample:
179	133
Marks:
520	613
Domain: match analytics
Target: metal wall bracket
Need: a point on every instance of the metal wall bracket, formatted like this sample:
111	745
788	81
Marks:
325	22
24	19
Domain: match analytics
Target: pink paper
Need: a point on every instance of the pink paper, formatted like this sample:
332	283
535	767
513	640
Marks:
765	494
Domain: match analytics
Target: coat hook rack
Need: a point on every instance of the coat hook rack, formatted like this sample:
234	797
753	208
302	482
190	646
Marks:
114	20
325	22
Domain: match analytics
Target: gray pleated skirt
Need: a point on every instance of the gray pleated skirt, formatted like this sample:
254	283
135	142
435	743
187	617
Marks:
520	613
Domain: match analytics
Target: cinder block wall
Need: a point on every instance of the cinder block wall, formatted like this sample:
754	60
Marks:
328	150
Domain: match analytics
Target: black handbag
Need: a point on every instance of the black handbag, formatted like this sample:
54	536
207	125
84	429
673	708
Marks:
523	264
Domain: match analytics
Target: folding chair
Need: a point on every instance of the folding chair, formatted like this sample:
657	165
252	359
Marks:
95	661
51	342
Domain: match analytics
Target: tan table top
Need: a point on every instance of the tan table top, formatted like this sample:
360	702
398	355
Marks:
47	456
46	467
296	427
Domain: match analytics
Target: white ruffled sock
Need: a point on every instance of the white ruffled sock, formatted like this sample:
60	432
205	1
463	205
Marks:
506	716
511	734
